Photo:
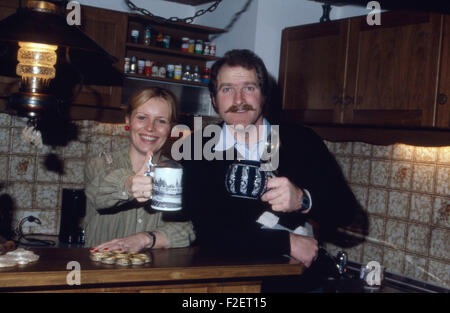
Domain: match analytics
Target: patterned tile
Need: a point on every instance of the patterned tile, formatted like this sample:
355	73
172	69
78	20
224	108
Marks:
21	168
343	148
46	196
3	167
5	120
102	128
361	194
376	228
120	142
421	208
354	253
43	174
4	139
119	130
379	174
444	155
18	145
362	149
423	178
75	149
439	273
393	260
384	152
443	180
440	243
441	212
418	239
398	205
360	171
48	220
402	152
19	121
73	171
345	164
425	154
21	193
372	252
415	267
395	234
377	201
401	175
98	144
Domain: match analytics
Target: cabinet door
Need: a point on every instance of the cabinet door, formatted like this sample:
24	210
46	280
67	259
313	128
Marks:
312	70
108	29
442	103
392	73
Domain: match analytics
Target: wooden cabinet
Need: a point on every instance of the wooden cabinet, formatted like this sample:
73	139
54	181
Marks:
171	54
442	101
349	73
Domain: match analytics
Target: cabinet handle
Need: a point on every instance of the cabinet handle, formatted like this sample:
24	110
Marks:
348	100
442	99
337	100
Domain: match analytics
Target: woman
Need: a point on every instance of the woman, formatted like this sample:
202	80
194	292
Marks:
117	189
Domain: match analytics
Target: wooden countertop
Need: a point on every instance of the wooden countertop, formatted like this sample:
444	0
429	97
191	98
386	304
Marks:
168	265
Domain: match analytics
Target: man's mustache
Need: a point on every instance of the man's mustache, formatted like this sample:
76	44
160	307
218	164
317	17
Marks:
236	108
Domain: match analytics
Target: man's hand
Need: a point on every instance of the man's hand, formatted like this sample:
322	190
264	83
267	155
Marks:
304	249
283	195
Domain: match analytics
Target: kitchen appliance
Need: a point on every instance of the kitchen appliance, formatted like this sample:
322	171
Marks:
73	209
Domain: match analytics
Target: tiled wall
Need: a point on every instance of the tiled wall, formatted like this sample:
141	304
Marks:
404	189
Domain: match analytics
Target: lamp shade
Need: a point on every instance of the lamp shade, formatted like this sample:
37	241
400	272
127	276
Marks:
29	25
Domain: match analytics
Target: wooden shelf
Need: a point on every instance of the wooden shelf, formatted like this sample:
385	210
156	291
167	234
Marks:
165	80
165	51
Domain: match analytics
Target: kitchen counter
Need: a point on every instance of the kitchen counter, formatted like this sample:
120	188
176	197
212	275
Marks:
171	270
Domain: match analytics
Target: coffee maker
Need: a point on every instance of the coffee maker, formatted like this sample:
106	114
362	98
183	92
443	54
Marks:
73	209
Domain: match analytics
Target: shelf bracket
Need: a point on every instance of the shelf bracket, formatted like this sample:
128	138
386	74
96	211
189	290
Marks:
326	7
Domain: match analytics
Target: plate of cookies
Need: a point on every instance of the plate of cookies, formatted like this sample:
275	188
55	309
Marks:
120	258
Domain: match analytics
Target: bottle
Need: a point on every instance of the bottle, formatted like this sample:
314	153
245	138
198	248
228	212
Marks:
160	40
185	44
199	46
133	65
191	45
126	67
147	35
141	67
212	49
135	36
206	48
162	71
206	75
196	75
166	41
170	70
148	68
177	72
187	74
155	70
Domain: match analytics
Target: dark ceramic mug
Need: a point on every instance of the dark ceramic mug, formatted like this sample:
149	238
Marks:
244	179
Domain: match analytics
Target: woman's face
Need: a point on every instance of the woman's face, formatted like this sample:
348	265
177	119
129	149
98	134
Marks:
149	125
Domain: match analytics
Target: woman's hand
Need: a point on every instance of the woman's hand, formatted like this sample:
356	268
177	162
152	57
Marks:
133	243
139	185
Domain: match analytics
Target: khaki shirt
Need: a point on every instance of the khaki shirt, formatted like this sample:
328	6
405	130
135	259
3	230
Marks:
110	210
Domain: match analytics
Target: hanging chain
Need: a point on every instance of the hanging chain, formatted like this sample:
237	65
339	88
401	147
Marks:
188	20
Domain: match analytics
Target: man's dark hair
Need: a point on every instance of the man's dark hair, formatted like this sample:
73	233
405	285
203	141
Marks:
248	60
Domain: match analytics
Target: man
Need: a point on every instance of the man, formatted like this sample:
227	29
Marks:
308	186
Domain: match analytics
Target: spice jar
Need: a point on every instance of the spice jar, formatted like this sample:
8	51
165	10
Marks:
147	35
212	49
206	48
170	70
141	66
166	41
126	67
198	46
185	44
196	75
155	70
133	65
177	72
191	45
134	36
160	40
206	75
148	68
162	71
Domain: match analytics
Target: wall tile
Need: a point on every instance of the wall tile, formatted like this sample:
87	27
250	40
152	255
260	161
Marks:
5	120
398	205
439	273
423	178
376	228
73	171
443	180
345	164
119	130
119	143
43	174
21	168
98	144
379	173
441	212
384	152
395	234
19	121
418	238
362	149
102	128
402	152
4	139
46	196
401	175
372	252
444	155
421	208
75	149
393	260
3	167
415	267
377	201
21	193
354	253
440	243
360	171
18	145
425	154
48	219
361	194
343	148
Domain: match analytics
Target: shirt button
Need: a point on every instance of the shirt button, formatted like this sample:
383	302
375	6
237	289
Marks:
139	220
124	193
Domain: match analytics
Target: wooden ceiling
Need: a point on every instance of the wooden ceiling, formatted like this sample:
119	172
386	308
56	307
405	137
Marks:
191	2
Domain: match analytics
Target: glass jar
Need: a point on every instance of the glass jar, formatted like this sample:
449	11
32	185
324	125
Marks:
206	75
198	46
170	70
133	65
141	66
135	36
155	70
191	45
177	72
166	41
185	44
148	68
206	48
126	67
196	75
147	35
212	49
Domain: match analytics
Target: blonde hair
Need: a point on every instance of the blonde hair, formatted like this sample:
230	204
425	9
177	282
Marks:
142	96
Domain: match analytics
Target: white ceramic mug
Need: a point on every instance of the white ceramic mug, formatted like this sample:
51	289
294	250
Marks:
167	189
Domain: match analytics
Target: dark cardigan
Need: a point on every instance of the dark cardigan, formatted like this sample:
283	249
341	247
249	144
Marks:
227	224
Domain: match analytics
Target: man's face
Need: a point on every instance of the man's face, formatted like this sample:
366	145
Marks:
238	99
